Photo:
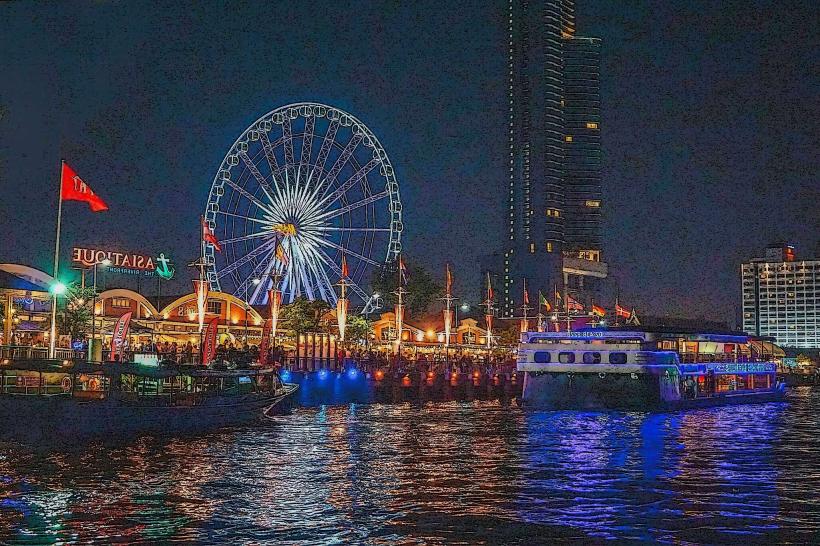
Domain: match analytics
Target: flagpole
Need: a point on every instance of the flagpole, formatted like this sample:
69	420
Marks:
52	342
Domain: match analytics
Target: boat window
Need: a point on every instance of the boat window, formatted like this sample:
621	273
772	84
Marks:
592	358
617	358
541	357
566	358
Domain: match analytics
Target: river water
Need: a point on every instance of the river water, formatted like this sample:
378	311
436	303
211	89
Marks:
437	473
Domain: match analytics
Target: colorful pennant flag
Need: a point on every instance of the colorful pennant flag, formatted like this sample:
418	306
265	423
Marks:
573	305
543	301
598	311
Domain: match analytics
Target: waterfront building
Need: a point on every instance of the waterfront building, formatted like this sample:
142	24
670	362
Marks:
25	303
781	297
554	181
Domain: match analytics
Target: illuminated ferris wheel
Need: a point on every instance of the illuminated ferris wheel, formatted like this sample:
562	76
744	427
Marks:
303	186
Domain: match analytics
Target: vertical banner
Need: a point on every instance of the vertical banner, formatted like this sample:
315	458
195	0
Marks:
119	335
341	316
201	288
489	319
209	345
275	300
525	325
265	343
448	325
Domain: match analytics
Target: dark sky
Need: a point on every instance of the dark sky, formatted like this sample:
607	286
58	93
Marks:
709	124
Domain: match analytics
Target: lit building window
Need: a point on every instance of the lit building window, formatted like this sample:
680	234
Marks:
122	303
592	125
549	246
593	204
568	138
590	255
553	213
532	248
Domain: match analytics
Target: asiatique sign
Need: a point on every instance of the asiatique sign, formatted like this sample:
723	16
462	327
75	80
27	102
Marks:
125	262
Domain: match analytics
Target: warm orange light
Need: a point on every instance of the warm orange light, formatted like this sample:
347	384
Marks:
430	375
379	375
476	374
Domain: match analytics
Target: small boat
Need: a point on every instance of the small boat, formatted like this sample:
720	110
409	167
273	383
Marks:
598	369
51	400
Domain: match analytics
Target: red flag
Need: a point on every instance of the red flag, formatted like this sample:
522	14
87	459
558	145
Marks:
598	311
489	288
209	347
209	237
526	294
402	270
449	280
622	311
345	272
119	335
573	305
72	188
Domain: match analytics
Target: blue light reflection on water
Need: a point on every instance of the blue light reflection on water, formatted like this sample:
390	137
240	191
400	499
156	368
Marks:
441	472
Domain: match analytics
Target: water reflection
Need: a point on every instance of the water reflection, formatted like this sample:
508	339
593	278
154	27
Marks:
438	472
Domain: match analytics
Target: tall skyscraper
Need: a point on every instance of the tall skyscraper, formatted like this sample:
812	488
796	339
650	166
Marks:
554	182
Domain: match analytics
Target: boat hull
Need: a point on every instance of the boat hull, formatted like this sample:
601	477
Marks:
639	391
54	418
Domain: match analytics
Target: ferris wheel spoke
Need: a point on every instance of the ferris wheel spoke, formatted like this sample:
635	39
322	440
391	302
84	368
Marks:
327	143
264	277
338	271
334	228
249	218
350	182
287	135
325	285
245	237
347	251
342	159
270	155
353	206
307	142
248	195
267	246
266	189
243	286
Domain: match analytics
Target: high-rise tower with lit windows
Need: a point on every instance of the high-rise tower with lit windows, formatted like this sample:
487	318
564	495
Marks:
553	178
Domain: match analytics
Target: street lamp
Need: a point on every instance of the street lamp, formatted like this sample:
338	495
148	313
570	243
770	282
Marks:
57	289
106	262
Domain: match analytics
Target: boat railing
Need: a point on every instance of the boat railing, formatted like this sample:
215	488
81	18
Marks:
28	352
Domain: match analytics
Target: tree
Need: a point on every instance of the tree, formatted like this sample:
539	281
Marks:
357	329
422	290
508	335
75	320
304	315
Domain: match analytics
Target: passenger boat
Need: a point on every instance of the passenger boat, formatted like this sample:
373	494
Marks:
646	370
61	399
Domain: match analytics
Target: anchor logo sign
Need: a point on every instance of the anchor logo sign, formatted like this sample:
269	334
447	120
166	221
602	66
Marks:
164	269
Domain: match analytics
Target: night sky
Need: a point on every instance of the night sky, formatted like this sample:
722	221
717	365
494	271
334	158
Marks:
709	125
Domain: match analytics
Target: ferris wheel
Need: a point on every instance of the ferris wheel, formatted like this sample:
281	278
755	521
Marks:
304	186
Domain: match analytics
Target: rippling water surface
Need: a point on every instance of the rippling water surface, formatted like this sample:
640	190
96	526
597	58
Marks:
476	472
